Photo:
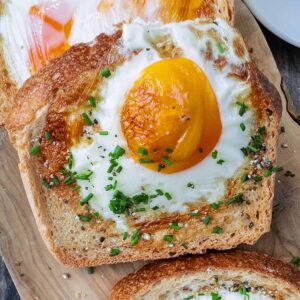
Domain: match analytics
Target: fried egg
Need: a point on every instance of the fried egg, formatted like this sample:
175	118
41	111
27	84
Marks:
170	122
35	31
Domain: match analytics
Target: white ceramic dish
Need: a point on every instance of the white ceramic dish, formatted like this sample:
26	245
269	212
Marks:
282	17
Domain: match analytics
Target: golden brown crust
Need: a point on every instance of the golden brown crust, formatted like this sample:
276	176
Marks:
260	264
64	84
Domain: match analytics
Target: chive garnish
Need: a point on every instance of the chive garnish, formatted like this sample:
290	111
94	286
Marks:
217	230
134	237
206	220
108	187
142	151
168	196
55	180
242	126
69	180
105	72
220	47
160	167
267	173
86	199
118	152
87	119
215	206
215	296
48	135
96	215
220	161
243	108
168	238
70	160
167	161
92	101
90	270
257	178
35	150
114	252
84	218
239	198
119	169
125	235
214	154
244	178
191	185
243	291
296	261
155	207
103	132
174	225
140	209
146	161
84	176
46	185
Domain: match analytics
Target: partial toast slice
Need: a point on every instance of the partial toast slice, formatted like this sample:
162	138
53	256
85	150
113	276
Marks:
228	275
11	13
76	234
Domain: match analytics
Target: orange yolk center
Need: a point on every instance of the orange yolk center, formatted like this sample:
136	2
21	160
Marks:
51	26
172	113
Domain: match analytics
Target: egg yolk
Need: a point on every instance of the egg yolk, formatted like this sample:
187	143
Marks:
170	117
51	26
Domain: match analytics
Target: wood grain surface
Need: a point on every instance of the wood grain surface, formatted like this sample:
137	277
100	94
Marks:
38	276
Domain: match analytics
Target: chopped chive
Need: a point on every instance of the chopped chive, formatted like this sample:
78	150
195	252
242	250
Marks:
90	270
220	47
108	187
168	196
118	152
103	132
124	236
86	199
215	205
92	101
214	154
191	185
242	126
174	225
239	198
84	176
105	72
167	161
217	230
35	150
55	180
140	209
114	252
282	130
220	162
69	180
96	215
146	161
159	192
168	238
155	207
112	166
70	160
243	108
48	135
206	220
289	174
296	261
143	151
215	296
169	150
257	178
276	169
134	237
267	173
188	298
87	119
160	167
46	185
76	188
110	178
84	218
243	291
119	169
252	149
244	178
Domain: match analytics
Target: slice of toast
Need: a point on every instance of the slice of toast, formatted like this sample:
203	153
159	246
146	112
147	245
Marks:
76	234
227	275
160	10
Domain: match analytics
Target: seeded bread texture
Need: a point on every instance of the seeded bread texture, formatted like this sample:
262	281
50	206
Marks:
185	277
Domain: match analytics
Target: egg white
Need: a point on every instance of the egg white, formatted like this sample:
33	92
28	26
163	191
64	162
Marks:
208	177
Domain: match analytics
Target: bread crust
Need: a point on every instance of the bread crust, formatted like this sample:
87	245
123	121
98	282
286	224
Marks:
8	87
262	265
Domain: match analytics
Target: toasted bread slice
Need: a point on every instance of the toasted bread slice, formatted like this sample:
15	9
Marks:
228	275
76	234
13	76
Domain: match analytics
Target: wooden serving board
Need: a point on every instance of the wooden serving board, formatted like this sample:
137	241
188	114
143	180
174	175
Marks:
36	273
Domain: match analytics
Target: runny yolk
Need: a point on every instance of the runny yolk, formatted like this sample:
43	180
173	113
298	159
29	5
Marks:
51	25
171	112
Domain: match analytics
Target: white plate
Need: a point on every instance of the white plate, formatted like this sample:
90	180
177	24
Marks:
282	17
